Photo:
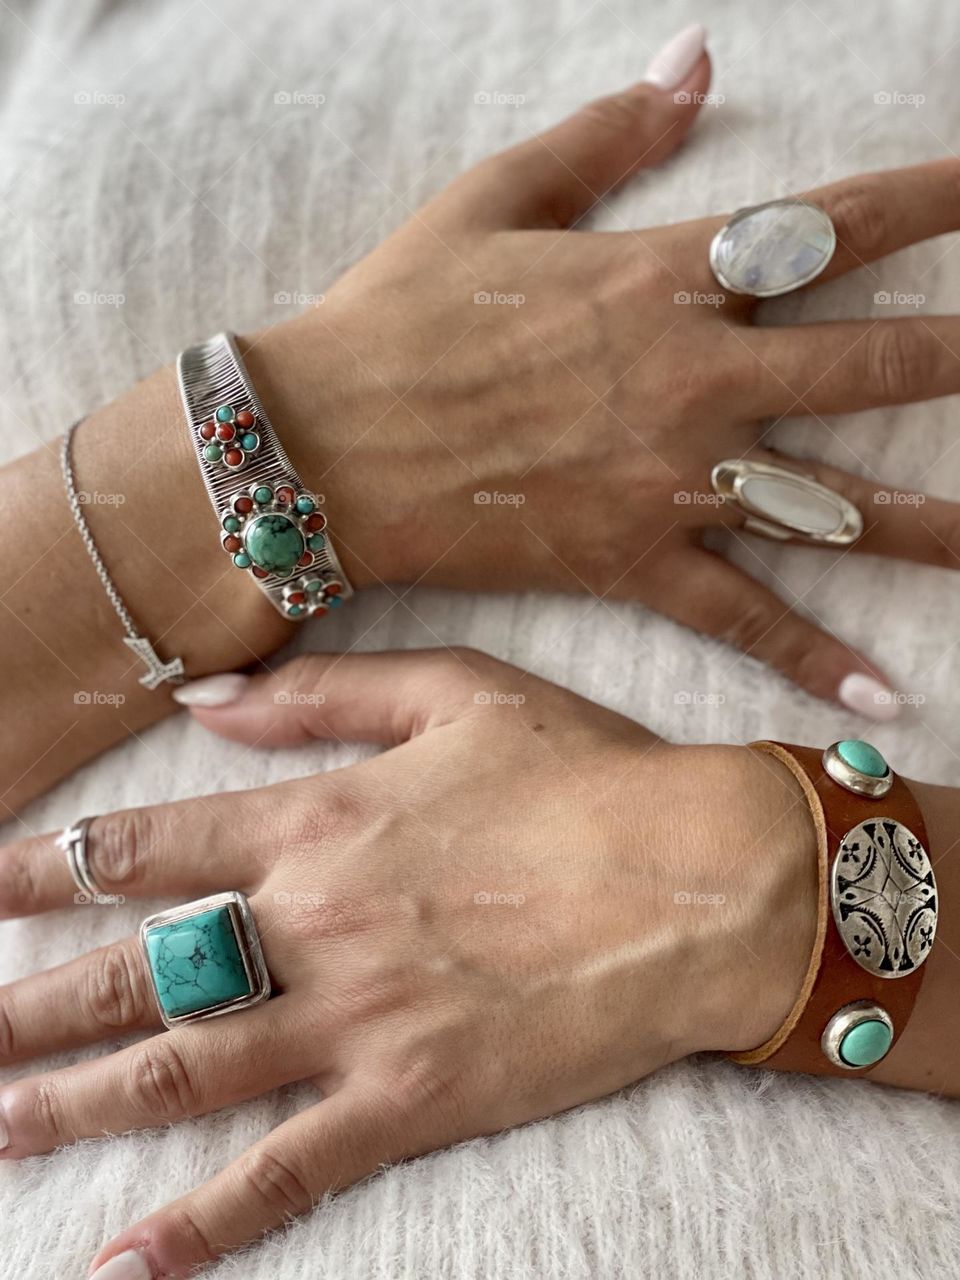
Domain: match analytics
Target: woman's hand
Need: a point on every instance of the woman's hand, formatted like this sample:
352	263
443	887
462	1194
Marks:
526	904
561	435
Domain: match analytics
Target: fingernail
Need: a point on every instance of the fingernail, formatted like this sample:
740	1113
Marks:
125	1266
212	691
677	58
868	697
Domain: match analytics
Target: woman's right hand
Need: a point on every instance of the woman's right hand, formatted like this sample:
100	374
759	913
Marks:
561	435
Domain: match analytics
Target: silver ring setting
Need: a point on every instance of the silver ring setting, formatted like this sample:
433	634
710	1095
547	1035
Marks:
73	842
205	959
780	503
769	249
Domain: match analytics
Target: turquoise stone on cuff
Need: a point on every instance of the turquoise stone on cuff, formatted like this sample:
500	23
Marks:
866	1043
274	543
863	757
197	963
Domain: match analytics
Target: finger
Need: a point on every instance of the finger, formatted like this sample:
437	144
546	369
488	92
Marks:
96	997
326	1148
166	1078
555	177
379	697
898	523
847	365
139	853
715	597
878	213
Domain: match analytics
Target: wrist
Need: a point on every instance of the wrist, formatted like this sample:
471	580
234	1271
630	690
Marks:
752	849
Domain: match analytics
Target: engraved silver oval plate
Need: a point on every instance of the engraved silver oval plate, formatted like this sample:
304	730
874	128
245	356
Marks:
884	897
780	503
772	248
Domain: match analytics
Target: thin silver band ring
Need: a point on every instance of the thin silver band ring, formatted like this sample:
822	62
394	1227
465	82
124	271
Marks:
73	842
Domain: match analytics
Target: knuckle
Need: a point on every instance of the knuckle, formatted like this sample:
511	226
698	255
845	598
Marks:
161	1087
423	1087
750	627
302	673
116	843
276	1182
8	1036
617	112
115	991
859	214
48	1111
899	360
179	1233
19	887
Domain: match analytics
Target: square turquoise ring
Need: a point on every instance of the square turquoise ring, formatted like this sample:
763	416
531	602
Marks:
205	959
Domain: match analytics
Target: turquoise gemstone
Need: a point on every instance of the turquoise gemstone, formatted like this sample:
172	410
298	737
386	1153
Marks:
241	560
274	543
863	757
263	494
866	1043
231	524
305	506
249	441
333	602
213	453
314	586
295	611
316	542
225	413
197	963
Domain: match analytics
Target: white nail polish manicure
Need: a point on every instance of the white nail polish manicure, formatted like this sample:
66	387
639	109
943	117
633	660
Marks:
212	691
125	1266
677	58
868	697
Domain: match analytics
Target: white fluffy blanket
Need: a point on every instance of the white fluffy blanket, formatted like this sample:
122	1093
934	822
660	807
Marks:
199	199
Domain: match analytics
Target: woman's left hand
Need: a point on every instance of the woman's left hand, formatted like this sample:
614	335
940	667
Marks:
487	924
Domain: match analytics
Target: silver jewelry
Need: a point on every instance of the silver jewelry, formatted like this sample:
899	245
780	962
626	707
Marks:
270	524
884	897
773	248
205	959
73	842
861	1020
780	503
158	671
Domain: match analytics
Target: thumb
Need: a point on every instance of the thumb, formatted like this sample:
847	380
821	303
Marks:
359	697
555	177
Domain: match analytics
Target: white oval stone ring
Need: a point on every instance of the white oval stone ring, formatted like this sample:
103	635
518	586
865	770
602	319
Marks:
780	503
773	248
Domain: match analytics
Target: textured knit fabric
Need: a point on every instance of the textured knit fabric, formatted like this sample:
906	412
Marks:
143	154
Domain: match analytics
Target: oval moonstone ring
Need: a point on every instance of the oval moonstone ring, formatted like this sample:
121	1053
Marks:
772	248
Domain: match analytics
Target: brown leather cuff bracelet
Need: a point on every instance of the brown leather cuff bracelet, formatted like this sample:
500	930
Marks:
876	917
